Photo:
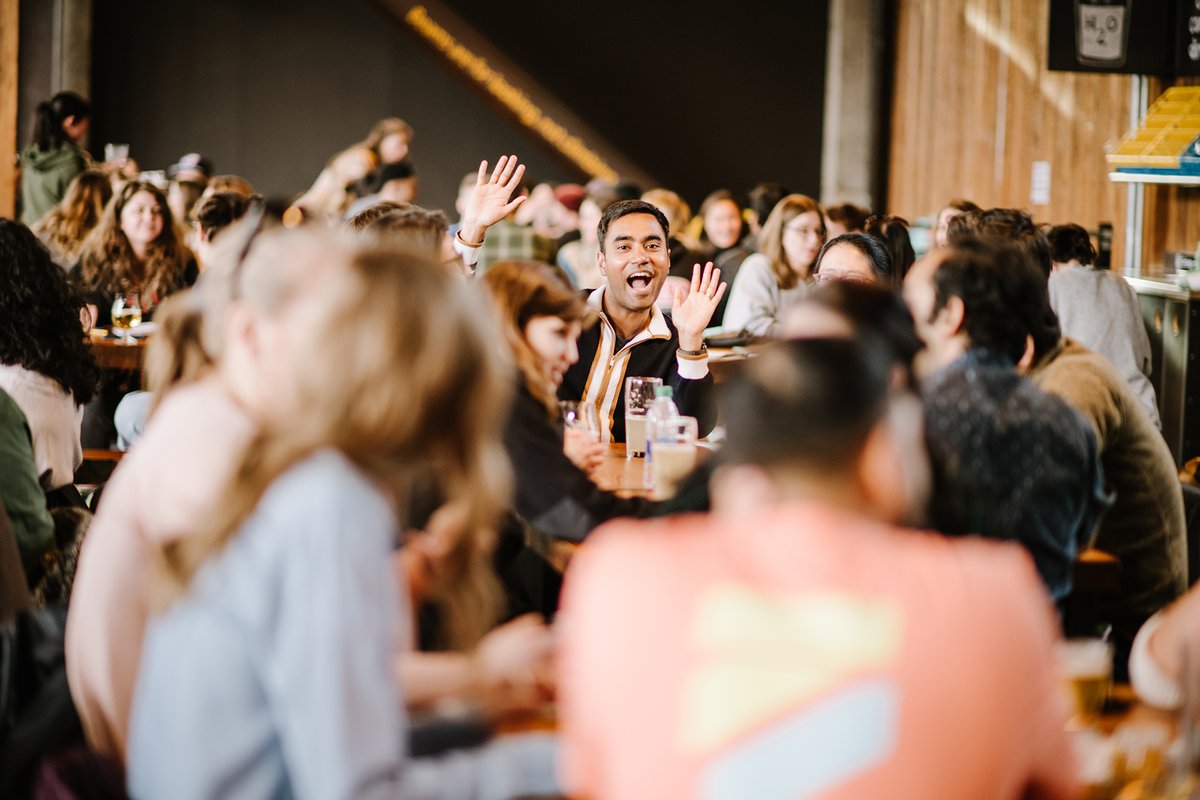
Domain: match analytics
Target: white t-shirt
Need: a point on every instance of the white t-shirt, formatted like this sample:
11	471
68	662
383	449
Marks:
54	420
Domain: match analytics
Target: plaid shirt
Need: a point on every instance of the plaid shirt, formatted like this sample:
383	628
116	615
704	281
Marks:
506	241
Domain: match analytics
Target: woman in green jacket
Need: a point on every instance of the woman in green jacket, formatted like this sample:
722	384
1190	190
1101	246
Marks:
53	156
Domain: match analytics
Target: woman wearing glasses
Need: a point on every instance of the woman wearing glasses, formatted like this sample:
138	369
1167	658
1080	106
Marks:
780	271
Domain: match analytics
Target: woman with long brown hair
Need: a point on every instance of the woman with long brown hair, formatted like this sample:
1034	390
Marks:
135	249
65	227
781	270
542	318
283	610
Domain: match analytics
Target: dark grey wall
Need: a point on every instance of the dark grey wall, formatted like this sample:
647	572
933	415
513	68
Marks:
34	79
703	95
270	90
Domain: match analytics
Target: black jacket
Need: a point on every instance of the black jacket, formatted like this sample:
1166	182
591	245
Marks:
599	375
553	495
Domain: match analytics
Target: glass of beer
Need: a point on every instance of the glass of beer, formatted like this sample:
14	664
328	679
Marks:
674	453
126	313
639	394
1087	668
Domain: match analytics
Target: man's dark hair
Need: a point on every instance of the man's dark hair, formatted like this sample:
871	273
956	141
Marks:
1009	224
49	116
1071	242
1003	294
961	204
623	208
403	224
852	217
893	232
396	171
808	402
221	209
764	197
869	246
877	315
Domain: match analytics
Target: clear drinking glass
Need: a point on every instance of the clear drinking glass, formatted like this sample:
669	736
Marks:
639	394
126	313
1087	668
579	420
116	153
674	453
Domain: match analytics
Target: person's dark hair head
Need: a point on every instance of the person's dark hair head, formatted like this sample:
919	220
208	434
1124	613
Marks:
1003	294
1011	225
39	315
893	232
869	246
623	208
220	210
411	227
50	115
626	190
191	168
1071	242
396	171
808	403
877	315
961	205
964	225
851	217
764	197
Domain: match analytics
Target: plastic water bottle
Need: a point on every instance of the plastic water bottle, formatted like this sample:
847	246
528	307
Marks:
663	408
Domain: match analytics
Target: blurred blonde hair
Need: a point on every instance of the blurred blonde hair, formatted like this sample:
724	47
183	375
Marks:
412	404
263	270
65	226
677	210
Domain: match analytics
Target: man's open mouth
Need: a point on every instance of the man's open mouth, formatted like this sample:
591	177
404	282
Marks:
640	280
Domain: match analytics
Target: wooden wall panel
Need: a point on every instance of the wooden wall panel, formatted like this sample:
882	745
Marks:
973	106
8	106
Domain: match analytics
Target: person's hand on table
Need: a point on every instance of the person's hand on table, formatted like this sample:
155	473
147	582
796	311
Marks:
691	314
584	451
513	666
491	200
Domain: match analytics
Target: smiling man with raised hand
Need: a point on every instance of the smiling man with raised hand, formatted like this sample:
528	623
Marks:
634	337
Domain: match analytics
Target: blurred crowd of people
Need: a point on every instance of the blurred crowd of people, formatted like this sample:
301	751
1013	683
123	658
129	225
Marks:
326	565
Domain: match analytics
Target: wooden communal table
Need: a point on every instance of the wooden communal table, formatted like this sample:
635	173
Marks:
621	475
118	354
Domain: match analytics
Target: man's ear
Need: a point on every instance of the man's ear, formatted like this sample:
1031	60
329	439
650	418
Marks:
953	314
240	327
1026	362
600	261
880	476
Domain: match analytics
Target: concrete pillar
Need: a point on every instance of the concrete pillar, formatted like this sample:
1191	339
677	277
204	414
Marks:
852	153
56	53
